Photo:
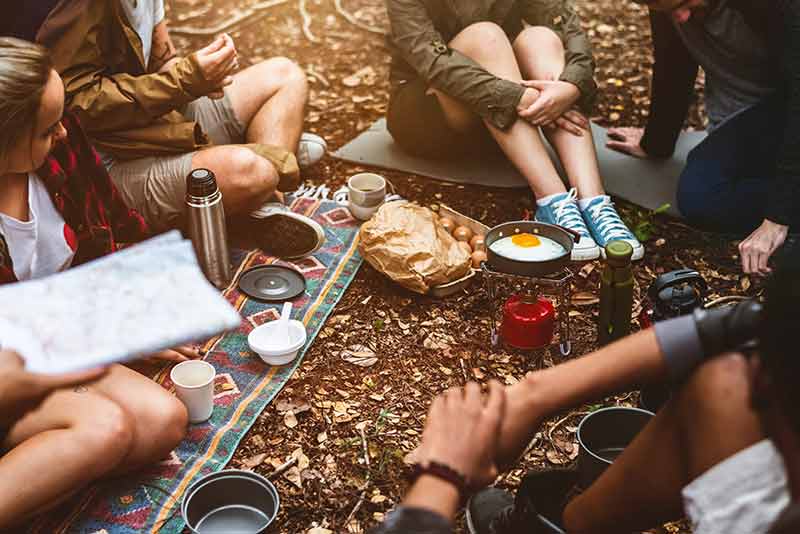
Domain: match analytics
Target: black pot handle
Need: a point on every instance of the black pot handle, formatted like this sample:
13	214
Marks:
575	235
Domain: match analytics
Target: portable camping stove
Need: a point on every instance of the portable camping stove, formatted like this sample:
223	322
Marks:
556	285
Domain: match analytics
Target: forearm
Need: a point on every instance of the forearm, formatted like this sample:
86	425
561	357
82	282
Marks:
627	363
112	102
428	508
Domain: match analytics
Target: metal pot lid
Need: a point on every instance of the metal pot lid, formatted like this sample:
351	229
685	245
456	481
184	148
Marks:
272	283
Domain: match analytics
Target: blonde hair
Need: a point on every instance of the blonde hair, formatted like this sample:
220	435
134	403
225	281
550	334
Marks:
24	72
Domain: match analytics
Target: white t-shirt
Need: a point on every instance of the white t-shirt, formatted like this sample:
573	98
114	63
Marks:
44	244
144	16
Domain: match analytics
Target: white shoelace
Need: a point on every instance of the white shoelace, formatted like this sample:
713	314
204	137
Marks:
608	221
568	215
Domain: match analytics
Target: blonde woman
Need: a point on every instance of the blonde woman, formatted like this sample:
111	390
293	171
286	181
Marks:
59	208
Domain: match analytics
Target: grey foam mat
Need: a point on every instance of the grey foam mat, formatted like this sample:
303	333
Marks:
647	183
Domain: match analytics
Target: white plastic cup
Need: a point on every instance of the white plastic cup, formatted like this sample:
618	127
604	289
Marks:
194	385
366	193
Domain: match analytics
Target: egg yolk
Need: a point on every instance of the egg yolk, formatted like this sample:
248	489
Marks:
525	240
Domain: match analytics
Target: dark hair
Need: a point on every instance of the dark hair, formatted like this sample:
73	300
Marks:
780	336
24	72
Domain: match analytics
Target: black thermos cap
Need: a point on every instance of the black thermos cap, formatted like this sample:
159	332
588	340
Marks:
201	183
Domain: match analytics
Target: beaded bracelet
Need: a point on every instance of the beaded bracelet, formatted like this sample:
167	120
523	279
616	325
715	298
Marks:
442	471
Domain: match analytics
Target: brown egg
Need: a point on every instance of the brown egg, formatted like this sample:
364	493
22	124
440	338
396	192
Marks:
477	242
478	257
462	233
447	223
463	245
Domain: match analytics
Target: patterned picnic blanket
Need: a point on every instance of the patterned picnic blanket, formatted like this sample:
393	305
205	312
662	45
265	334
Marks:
150	502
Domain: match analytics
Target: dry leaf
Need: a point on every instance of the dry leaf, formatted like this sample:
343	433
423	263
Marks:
438	341
295	405
360	355
367	76
745	283
302	460
319	530
254	461
555	457
586	270
584	298
289	419
478	374
293	475
321	437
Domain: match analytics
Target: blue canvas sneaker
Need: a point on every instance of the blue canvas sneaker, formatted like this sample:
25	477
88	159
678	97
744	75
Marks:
563	211
605	225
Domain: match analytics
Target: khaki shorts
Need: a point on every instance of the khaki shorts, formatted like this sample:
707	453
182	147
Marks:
743	494
156	186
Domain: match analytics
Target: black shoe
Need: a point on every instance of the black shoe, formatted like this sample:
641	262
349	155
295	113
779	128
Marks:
537	508
490	511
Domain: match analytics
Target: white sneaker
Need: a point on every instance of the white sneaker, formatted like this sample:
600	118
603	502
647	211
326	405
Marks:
310	150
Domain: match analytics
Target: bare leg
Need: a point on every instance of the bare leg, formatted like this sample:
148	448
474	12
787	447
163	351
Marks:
246	179
159	418
120	423
488	45
71	440
540	54
270	97
709	420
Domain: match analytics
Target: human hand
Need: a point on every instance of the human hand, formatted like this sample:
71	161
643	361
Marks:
756	250
529	96
177	354
462	429
22	391
555	99
627	140
572	121
217	63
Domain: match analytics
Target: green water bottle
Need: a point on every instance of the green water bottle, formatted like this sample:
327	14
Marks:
616	293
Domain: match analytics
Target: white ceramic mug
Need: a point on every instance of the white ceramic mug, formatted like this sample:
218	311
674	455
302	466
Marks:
194	385
366	192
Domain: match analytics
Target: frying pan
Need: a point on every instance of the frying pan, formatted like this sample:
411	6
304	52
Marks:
563	236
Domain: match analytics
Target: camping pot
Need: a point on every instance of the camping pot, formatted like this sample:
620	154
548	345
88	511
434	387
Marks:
230	501
528	322
563	236
602	435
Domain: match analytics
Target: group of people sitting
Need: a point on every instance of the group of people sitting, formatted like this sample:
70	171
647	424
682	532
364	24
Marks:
102	120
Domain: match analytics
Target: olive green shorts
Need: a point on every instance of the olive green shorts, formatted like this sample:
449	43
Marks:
417	123
156	186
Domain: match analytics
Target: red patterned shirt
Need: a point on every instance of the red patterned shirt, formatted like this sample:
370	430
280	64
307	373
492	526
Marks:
85	196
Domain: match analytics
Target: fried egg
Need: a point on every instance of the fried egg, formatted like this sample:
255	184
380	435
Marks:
527	247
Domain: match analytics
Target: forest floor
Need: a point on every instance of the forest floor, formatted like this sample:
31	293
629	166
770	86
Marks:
332	410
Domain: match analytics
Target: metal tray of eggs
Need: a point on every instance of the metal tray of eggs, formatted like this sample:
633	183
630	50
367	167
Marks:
467	231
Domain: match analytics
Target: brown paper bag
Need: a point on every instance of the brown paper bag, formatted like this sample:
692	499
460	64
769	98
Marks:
404	242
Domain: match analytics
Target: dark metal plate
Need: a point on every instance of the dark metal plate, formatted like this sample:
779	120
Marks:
272	283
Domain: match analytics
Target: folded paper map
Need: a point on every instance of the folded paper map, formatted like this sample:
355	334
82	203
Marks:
134	302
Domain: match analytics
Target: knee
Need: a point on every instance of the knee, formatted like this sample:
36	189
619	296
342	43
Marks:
481	36
107	436
539	40
291	74
251	175
722	381
166	419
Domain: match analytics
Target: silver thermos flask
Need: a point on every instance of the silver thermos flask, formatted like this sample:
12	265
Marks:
207	231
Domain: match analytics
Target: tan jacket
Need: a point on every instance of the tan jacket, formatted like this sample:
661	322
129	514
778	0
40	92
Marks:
128	112
421	29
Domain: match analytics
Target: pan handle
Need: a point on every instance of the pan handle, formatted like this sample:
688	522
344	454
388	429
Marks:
575	235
